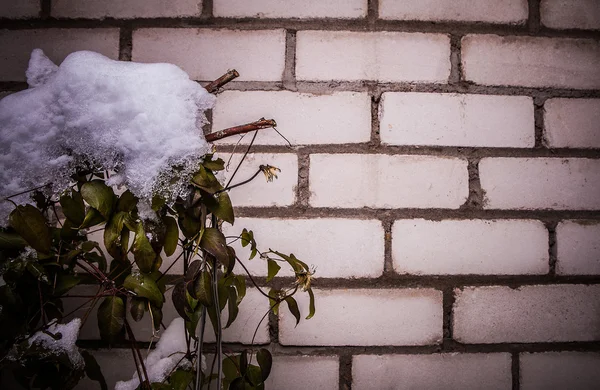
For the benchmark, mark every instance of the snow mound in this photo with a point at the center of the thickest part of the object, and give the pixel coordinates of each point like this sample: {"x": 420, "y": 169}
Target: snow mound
{"x": 163, "y": 359}
{"x": 66, "y": 343}
{"x": 141, "y": 120}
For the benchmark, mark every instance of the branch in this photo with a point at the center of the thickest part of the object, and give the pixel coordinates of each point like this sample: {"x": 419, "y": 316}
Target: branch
{"x": 242, "y": 129}
{"x": 218, "y": 83}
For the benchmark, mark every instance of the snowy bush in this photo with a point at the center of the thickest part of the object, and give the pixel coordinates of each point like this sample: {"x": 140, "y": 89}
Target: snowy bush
{"x": 118, "y": 146}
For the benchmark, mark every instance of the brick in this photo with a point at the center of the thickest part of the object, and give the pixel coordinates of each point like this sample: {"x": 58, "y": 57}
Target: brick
{"x": 290, "y": 373}
{"x": 128, "y": 9}
{"x": 337, "y": 118}
{"x": 19, "y": 9}
{"x": 207, "y": 54}
{"x": 116, "y": 364}
{"x": 559, "y": 370}
{"x": 259, "y": 193}
{"x": 531, "y": 61}
{"x": 573, "y": 14}
{"x": 436, "y": 371}
{"x": 303, "y": 9}
{"x": 338, "y": 248}
{"x": 572, "y": 123}
{"x": 379, "y": 56}
{"x": 487, "y": 11}
{"x": 464, "y": 247}
{"x": 355, "y": 317}
{"x": 381, "y": 181}
{"x": 16, "y": 46}
{"x": 444, "y": 119}
{"x": 529, "y": 314}
{"x": 540, "y": 183}
{"x": 578, "y": 248}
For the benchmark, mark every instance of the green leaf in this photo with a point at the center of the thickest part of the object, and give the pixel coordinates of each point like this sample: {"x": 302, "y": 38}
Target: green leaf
{"x": 179, "y": 300}
{"x": 273, "y": 269}
{"x": 232, "y": 306}
{"x": 248, "y": 239}
{"x": 92, "y": 369}
{"x": 265, "y": 361}
{"x": 65, "y": 282}
{"x": 73, "y": 207}
{"x": 193, "y": 270}
{"x": 11, "y": 241}
{"x": 158, "y": 202}
{"x": 311, "y": 305}
{"x": 31, "y": 225}
{"x": 171, "y": 235}
{"x": 112, "y": 235}
{"x": 213, "y": 241}
{"x": 92, "y": 218}
{"x": 144, "y": 287}
{"x": 143, "y": 253}
{"x": 220, "y": 205}
{"x": 293, "y": 307}
{"x": 138, "y": 308}
{"x": 213, "y": 165}
{"x": 203, "y": 289}
{"x": 296, "y": 264}
{"x": 240, "y": 285}
{"x": 127, "y": 202}
{"x": 180, "y": 379}
{"x": 99, "y": 196}
{"x": 157, "y": 316}
{"x": 189, "y": 225}
{"x": 111, "y": 318}
{"x": 206, "y": 180}
{"x": 244, "y": 362}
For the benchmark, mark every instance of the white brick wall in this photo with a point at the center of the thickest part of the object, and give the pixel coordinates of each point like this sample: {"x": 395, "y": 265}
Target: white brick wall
{"x": 529, "y": 314}
{"x": 432, "y": 372}
{"x": 559, "y": 370}
{"x": 366, "y": 317}
{"x": 338, "y": 248}
{"x": 489, "y": 11}
{"x": 381, "y": 181}
{"x": 540, "y": 183}
{"x": 573, "y": 14}
{"x": 127, "y": 9}
{"x": 336, "y": 118}
{"x": 303, "y": 9}
{"x": 17, "y": 9}
{"x": 381, "y": 56}
{"x": 497, "y": 247}
{"x": 578, "y": 248}
{"x": 258, "y": 55}
{"x": 572, "y": 123}
{"x": 456, "y": 120}
{"x": 16, "y": 46}
{"x": 304, "y": 372}
{"x": 523, "y": 61}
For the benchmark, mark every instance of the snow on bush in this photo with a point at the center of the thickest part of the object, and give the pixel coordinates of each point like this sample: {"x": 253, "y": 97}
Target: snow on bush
{"x": 65, "y": 336}
{"x": 142, "y": 121}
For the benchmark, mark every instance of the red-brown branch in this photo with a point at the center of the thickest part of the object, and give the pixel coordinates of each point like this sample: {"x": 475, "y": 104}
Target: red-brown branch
{"x": 242, "y": 129}
{"x": 218, "y": 83}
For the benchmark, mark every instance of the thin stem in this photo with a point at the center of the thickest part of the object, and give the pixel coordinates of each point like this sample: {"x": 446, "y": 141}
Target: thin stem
{"x": 146, "y": 383}
{"x": 199, "y": 348}
{"x": 218, "y": 315}
{"x": 26, "y": 191}
{"x": 243, "y": 158}
{"x": 242, "y": 129}
{"x": 240, "y": 183}
{"x": 218, "y": 83}
{"x": 251, "y": 278}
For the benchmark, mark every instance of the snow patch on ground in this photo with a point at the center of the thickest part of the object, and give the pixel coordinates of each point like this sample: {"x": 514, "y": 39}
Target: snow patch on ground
{"x": 143, "y": 121}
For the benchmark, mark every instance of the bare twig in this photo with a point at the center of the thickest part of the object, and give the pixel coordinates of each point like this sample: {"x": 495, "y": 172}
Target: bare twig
{"x": 26, "y": 191}
{"x": 242, "y": 129}
{"x": 218, "y": 83}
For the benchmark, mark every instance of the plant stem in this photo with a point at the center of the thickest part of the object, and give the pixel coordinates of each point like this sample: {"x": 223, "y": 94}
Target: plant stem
{"x": 218, "y": 83}
{"x": 26, "y": 191}
{"x": 243, "y": 158}
{"x": 242, "y": 129}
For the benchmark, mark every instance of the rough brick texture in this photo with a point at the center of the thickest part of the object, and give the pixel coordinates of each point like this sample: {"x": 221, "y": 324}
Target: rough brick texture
{"x": 381, "y": 56}
{"x": 505, "y": 247}
{"x": 17, "y": 9}
{"x": 336, "y": 247}
{"x": 489, "y": 11}
{"x": 524, "y": 61}
{"x": 127, "y": 9}
{"x": 573, "y": 14}
{"x": 559, "y": 370}
{"x": 291, "y": 372}
{"x": 16, "y": 46}
{"x": 552, "y": 313}
{"x": 380, "y": 181}
{"x": 572, "y": 123}
{"x": 355, "y": 317}
{"x": 303, "y": 9}
{"x": 456, "y": 120}
{"x": 435, "y": 372}
{"x": 337, "y": 118}
{"x": 190, "y": 49}
{"x": 578, "y": 248}
{"x": 540, "y": 183}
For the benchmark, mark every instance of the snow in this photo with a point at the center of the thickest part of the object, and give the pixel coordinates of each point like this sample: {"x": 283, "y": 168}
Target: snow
{"x": 66, "y": 343}
{"x": 164, "y": 358}
{"x": 143, "y": 121}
